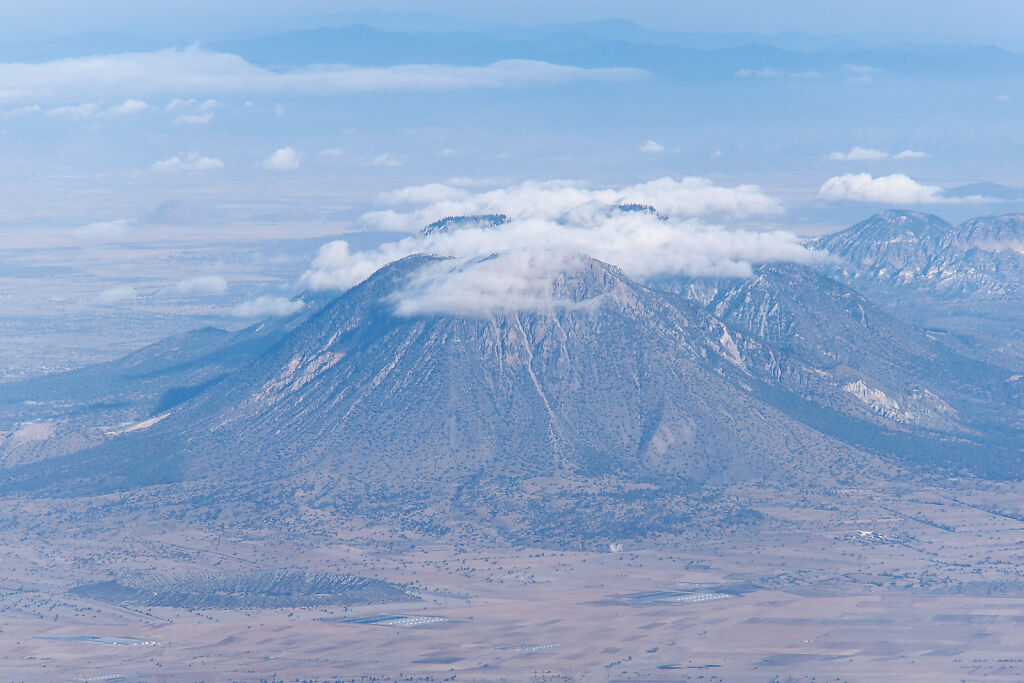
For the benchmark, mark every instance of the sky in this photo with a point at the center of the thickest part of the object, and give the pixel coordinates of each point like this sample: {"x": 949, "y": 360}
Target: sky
{"x": 169, "y": 166}
{"x": 984, "y": 21}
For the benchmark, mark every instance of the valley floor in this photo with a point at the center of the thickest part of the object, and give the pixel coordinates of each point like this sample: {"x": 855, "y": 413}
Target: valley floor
{"x": 915, "y": 585}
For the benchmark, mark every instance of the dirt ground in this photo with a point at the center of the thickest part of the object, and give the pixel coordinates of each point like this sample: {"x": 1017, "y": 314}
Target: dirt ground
{"x": 923, "y": 586}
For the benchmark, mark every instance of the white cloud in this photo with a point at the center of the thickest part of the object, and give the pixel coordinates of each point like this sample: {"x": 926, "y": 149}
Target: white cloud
{"x": 284, "y": 159}
{"x": 555, "y": 199}
{"x": 197, "y": 112}
{"x": 910, "y": 154}
{"x": 21, "y": 111}
{"x": 651, "y": 147}
{"x": 870, "y": 154}
{"x": 195, "y": 72}
{"x": 1002, "y": 98}
{"x": 775, "y": 73}
{"x": 424, "y": 194}
{"x": 860, "y": 69}
{"x": 104, "y": 231}
{"x": 268, "y": 307}
{"x": 127, "y": 108}
{"x": 116, "y": 295}
{"x": 191, "y": 104}
{"x": 891, "y": 189}
{"x": 198, "y": 119}
{"x": 337, "y": 267}
{"x": 468, "y": 181}
{"x": 514, "y": 265}
{"x": 505, "y": 283}
{"x": 860, "y": 73}
{"x": 859, "y": 154}
{"x": 76, "y": 111}
{"x": 92, "y": 110}
{"x": 192, "y": 162}
{"x": 203, "y": 284}
{"x": 386, "y": 160}
{"x": 333, "y": 152}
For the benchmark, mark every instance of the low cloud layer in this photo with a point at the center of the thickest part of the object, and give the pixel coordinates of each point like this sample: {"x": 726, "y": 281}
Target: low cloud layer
{"x": 268, "y": 307}
{"x": 192, "y": 161}
{"x": 769, "y": 72}
{"x": 196, "y": 73}
{"x": 895, "y": 189}
{"x": 510, "y": 264}
{"x": 88, "y": 110}
{"x": 870, "y": 154}
{"x": 202, "y": 284}
{"x": 562, "y": 199}
{"x": 861, "y": 73}
{"x": 116, "y": 295}
{"x": 104, "y": 231}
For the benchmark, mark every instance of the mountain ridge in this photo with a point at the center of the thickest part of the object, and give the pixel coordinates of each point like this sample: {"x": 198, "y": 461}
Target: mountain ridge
{"x": 674, "y": 388}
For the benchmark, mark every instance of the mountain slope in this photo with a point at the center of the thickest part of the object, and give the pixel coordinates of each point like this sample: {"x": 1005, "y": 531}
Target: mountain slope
{"x": 49, "y": 415}
{"x": 619, "y": 405}
{"x": 967, "y": 281}
{"x": 834, "y": 346}
{"x": 618, "y": 382}
{"x": 616, "y": 388}
{"x": 892, "y": 247}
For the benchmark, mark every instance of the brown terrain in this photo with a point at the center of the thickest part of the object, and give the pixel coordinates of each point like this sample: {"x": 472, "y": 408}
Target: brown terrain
{"x": 925, "y": 581}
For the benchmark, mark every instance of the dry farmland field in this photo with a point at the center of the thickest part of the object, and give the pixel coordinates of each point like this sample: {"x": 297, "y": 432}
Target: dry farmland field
{"x": 928, "y": 583}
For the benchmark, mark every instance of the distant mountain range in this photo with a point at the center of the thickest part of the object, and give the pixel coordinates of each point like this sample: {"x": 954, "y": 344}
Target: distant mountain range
{"x": 685, "y": 56}
{"x": 423, "y": 31}
{"x": 982, "y": 259}
{"x": 966, "y": 280}
{"x": 611, "y": 414}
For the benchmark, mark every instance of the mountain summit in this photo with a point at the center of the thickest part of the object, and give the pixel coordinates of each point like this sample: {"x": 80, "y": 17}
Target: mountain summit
{"x": 967, "y": 279}
{"x": 613, "y": 399}
{"x": 615, "y": 387}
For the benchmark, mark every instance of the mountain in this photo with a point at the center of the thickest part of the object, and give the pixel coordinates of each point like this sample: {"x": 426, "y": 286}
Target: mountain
{"x": 676, "y": 56}
{"x": 993, "y": 190}
{"x": 966, "y": 280}
{"x": 612, "y": 405}
{"x": 892, "y": 248}
{"x": 979, "y": 260}
{"x": 629, "y": 384}
{"x": 50, "y": 415}
{"x": 451, "y": 223}
{"x": 838, "y": 346}
{"x": 619, "y": 408}
{"x": 984, "y": 257}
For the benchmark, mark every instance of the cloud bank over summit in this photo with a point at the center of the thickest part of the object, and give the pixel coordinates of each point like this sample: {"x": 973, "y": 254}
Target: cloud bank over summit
{"x": 557, "y": 199}
{"x": 528, "y": 234}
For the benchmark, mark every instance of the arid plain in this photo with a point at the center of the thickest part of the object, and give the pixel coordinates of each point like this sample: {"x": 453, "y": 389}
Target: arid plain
{"x": 926, "y": 581}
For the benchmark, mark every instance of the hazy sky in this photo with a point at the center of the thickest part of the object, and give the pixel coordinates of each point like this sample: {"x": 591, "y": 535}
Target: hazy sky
{"x": 980, "y": 21}
{"x": 165, "y": 165}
